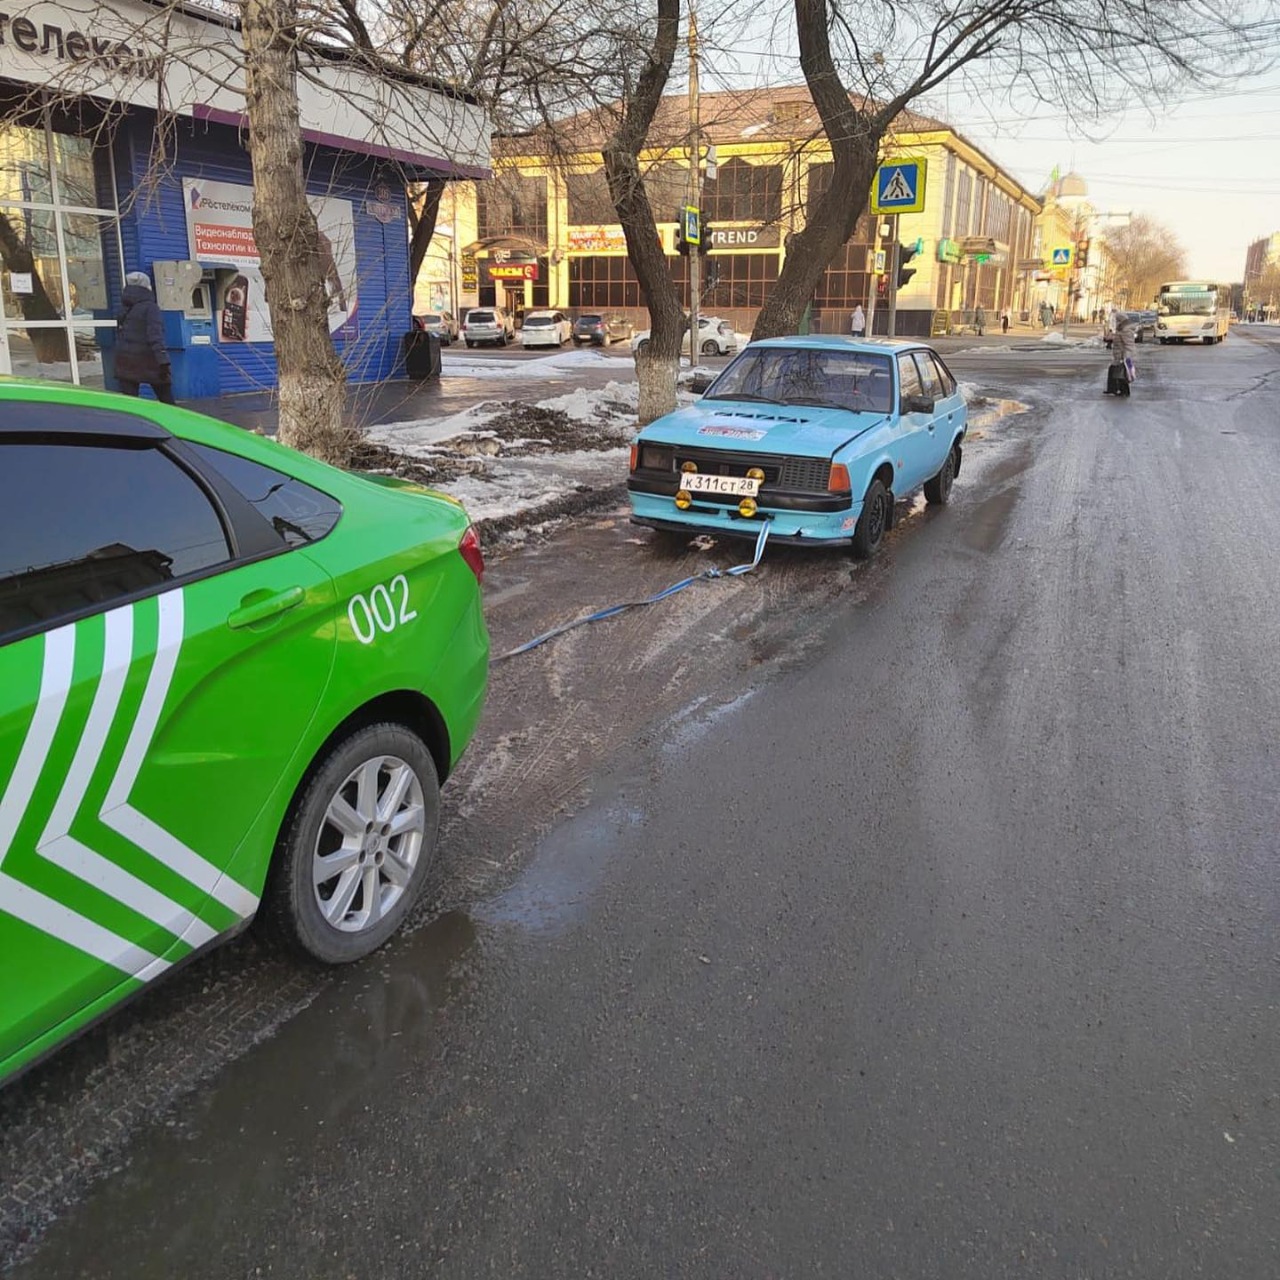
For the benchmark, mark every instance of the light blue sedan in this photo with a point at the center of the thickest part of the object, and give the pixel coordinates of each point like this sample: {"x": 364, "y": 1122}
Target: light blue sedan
{"x": 818, "y": 435}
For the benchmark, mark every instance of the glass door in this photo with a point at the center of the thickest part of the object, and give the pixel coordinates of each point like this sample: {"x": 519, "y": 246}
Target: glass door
{"x": 59, "y": 249}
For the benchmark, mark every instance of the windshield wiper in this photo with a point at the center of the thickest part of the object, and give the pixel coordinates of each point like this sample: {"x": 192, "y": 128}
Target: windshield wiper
{"x": 746, "y": 395}
{"x": 813, "y": 400}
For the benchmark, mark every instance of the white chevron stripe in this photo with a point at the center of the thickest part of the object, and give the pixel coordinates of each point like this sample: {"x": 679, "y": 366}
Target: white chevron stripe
{"x": 18, "y": 899}
{"x": 60, "y": 847}
{"x": 122, "y": 817}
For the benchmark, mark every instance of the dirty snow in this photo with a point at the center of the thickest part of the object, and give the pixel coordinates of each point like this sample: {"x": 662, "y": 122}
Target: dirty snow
{"x": 552, "y": 367}
{"x": 525, "y": 484}
{"x": 615, "y": 400}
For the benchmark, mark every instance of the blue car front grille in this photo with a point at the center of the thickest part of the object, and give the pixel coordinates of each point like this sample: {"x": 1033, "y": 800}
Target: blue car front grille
{"x": 797, "y": 475}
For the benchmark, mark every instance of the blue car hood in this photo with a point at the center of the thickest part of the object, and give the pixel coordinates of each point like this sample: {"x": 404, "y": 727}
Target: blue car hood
{"x": 746, "y": 427}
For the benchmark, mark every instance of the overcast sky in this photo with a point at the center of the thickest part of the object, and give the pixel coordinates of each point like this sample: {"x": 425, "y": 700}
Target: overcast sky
{"x": 1207, "y": 166}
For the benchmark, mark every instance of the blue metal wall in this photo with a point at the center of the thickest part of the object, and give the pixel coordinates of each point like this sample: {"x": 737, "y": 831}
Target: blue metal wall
{"x": 154, "y": 228}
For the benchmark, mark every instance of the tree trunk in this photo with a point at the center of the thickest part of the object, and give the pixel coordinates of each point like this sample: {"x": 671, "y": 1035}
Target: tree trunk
{"x": 658, "y": 362}
{"x": 854, "y": 136}
{"x": 312, "y": 378}
{"x": 423, "y": 226}
{"x": 656, "y": 366}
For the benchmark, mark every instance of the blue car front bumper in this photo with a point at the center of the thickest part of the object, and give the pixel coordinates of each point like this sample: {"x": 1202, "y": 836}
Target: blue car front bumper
{"x": 811, "y": 528}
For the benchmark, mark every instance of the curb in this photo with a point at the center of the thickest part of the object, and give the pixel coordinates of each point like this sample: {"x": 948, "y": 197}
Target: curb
{"x": 572, "y": 504}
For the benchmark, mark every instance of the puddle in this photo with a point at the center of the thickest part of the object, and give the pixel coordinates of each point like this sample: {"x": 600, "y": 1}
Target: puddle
{"x": 230, "y": 1155}
{"x": 553, "y": 890}
{"x": 986, "y": 410}
{"x": 687, "y": 726}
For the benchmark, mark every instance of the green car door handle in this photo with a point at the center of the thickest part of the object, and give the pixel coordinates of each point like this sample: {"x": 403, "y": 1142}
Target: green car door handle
{"x": 259, "y": 606}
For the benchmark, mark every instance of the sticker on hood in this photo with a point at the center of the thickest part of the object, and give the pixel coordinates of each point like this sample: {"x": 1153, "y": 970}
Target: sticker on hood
{"x": 732, "y": 433}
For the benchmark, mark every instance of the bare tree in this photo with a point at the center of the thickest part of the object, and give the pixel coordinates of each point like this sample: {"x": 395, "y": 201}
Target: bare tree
{"x": 657, "y": 362}
{"x": 868, "y": 61}
{"x": 313, "y": 381}
{"x": 1143, "y": 254}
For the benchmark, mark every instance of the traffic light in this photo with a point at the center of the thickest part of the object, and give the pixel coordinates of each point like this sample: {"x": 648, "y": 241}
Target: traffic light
{"x": 1082, "y": 253}
{"x": 704, "y": 244}
{"x": 905, "y": 253}
{"x": 682, "y": 245}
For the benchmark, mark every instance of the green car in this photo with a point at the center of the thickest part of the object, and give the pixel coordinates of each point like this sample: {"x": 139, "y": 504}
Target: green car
{"x": 232, "y": 679}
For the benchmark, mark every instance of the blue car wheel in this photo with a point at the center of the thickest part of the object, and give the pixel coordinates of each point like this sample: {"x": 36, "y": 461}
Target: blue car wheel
{"x": 873, "y": 522}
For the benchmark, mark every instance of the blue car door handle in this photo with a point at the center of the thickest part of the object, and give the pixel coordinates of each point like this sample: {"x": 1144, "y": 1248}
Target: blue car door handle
{"x": 262, "y": 605}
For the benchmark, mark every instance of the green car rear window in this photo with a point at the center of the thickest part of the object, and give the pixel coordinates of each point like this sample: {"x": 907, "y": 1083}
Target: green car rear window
{"x": 298, "y": 513}
{"x": 83, "y": 525}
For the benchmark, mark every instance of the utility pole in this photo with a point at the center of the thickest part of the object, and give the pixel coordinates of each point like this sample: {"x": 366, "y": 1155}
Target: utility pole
{"x": 695, "y": 187}
{"x": 871, "y": 276}
{"x": 891, "y": 267}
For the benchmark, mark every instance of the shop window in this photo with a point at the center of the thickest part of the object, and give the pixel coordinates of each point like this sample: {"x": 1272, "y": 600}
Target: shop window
{"x": 819, "y": 183}
{"x": 511, "y": 204}
{"x": 743, "y": 192}
{"x": 667, "y": 186}
{"x": 964, "y": 201}
{"x": 742, "y": 280}
{"x": 541, "y": 291}
{"x": 603, "y": 283}
{"x": 59, "y": 248}
{"x": 24, "y": 165}
{"x": 846, "y": 282}
{"x": 589, "y": 203}
{"x": 31, "y": 290}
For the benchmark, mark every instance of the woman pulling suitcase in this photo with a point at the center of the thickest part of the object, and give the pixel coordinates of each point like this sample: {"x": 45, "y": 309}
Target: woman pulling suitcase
{"x": 1120, "y": 374}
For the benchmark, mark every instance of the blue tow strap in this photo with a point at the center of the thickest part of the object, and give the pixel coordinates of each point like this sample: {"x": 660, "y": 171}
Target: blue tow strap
{"x": 614, "y": 609}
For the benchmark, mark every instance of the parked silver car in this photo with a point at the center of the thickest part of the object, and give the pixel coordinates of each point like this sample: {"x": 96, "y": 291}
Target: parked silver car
{"x": 488, "y": 324}
{"x": 441, "y": 323}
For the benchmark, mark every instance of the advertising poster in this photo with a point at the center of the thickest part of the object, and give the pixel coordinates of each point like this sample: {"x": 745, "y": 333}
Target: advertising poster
{"x": 220, "y": 234}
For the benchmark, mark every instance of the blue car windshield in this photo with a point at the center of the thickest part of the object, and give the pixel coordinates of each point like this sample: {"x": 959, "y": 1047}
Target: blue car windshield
{"x": 852, "y": 380}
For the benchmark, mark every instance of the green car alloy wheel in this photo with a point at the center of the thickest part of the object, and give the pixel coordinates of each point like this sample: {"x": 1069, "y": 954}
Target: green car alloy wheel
{"x": 229, "y": 675}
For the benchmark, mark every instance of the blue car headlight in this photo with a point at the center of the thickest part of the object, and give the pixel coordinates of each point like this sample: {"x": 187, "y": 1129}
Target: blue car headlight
{"x": 657, "y": 457}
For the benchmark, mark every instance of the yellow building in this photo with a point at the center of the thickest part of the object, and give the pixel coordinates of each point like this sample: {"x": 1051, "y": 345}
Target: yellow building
{"x": 1067, "y": 222}
{"x": 549, "y": 217}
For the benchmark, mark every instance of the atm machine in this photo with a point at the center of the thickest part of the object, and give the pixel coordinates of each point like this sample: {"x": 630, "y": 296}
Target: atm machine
{"x": 186, "y": 301}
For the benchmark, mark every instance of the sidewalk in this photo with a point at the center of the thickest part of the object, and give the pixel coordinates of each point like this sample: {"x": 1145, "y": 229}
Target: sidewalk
{"x": 378, "y": 403}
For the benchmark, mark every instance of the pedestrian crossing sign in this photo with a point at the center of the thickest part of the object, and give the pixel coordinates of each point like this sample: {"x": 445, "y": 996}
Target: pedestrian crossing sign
{"x": 899, "y": 186}
{"x": 1062, "y": 256}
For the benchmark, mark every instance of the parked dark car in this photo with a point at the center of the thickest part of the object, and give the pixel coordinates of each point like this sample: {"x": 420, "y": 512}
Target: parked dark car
{"x": 600, "y": 330}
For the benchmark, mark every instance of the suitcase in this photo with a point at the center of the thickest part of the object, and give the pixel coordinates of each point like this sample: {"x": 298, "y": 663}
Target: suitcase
{"x": 1117, "y": 380}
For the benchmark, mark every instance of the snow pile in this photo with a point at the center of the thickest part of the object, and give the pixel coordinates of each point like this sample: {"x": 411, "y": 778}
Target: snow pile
{"x": 529, "y": 370}
{"x": 506, "y": 459}
{"x": 580, "y": 358}
{"x": 539, "y": 483}
{"x": 614, "y": 402}
{"x": 423, "y": 435}
{"x": 1054, "y": 338}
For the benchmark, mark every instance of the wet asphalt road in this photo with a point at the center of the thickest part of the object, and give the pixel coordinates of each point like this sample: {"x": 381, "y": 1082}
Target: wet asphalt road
{"x": 952, "y": 951}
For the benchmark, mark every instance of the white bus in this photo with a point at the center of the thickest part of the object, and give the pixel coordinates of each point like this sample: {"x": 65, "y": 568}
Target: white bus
{"x": 1187, "y": 310}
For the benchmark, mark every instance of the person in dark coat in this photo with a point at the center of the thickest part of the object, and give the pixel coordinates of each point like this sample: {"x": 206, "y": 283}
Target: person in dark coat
{"x": 1122, "y": 349}
{"x": 141, "y": 355}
